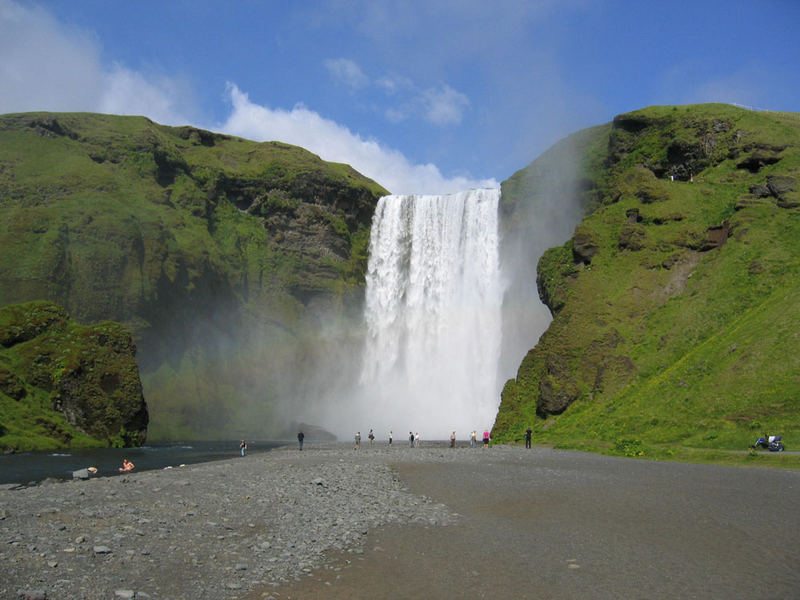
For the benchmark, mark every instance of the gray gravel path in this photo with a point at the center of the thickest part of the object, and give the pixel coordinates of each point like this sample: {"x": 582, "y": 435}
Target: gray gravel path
{"x": 408, "y": 523}
{"x": 213, "y": 530}
{"x": 551, "y": 524}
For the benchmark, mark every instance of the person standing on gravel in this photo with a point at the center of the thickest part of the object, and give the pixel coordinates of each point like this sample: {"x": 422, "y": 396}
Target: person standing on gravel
{"x": 416, "y": 440}
{"x": 371, "y": 437}
{"x": 358, "y": 441}
{"x": 300, "y": 437}
{"x": 473, "y": 439}
{"x": 243, "y": 447}
{"x": 528, "y": 435}
{"x": 390, "y": 438}
{"x": 453, "y": 440}
{"x": 486, "y": 438}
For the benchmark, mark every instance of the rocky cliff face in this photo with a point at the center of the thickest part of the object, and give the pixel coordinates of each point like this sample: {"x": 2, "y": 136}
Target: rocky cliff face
{"x": 221, "y": 254}
{"x": 64, "y": 384}
{"x": 669, "y": 301}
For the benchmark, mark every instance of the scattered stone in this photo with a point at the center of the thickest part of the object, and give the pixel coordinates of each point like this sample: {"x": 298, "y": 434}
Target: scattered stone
{"x": 326, "y": 505}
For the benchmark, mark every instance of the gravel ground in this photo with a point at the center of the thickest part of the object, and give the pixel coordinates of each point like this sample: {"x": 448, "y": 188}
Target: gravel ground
{"x": 550, "y": 524}
{"x": 213, "y": 530}
{"x": 408, "y": 523}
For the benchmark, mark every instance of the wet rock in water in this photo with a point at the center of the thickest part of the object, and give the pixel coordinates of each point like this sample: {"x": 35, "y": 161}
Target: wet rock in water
{"x": 81, "y": 474}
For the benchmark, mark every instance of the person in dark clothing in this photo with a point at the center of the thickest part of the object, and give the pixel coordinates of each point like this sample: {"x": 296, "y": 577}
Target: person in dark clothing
{"x": 528, "y": 434}
{"x": 300, "y": 437}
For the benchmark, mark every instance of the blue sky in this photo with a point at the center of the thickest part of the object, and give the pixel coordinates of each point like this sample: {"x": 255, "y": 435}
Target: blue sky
{"x": 422, "y": 96}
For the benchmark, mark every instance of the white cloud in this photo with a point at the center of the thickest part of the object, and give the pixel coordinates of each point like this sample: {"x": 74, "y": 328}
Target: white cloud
{"x": 347, "y": 72}
{"x": 332, "y": 141}
{"x": 444, "y": 105}
{"x": 394, "y": 84}
{"x": 48, "y": 66}
{"x": 440, "y": 105}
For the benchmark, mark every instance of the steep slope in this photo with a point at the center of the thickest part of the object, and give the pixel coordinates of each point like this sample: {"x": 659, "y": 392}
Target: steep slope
{"x": 219, "y": 253}
{"x": 66, "y": 385}
{"x": 675, "y": 303}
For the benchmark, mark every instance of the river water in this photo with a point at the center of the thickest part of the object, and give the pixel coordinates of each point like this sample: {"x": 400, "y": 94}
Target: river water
{"x": 28, "y": 467}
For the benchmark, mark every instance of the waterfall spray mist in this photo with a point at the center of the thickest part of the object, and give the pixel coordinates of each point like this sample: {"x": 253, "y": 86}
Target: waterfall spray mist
{"x": 433, "y": 314}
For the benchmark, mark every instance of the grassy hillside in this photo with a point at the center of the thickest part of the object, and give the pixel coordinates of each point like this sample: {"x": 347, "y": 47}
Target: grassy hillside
{"x": 675, "y": 303}
{"x": 220, "y": 254}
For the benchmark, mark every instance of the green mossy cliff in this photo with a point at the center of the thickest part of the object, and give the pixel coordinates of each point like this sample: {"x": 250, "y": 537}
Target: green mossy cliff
{"x": 222, "y": 255}
{"x": 676, "y": 303}
{"x": 67, "y": 385}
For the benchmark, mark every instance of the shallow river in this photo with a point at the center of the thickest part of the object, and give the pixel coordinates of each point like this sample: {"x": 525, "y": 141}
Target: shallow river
{"x": 29, "y": 467}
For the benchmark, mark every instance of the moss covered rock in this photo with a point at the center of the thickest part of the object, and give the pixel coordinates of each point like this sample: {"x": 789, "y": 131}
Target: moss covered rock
{"x": 64, "y": 384}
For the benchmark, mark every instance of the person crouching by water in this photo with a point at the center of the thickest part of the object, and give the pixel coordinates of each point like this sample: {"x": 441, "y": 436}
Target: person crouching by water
{"x": 300, "y": 437}
{"x": 243, "y": 447}
{"x": 126, "y": 466}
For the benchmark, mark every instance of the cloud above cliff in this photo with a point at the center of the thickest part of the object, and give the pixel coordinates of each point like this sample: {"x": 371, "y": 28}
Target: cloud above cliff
{"x": 440, "y": 105}
{"x": 49, "y": 66}
{"x": 347, "y": 72}
{"x": 331, "y": 141}
{"x": 442, "y": 94}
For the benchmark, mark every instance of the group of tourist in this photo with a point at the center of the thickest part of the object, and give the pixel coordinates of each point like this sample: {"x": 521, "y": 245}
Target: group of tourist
{"x": 414, "y": 440}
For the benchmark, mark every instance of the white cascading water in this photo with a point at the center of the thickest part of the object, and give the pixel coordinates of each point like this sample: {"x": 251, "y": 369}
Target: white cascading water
{"x": 433, "y": 315}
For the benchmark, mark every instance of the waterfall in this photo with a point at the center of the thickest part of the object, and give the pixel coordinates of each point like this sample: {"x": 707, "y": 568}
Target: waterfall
{"x": 433, "y": 315}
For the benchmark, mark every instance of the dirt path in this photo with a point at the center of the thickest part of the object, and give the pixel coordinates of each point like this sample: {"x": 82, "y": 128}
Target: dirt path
{"x": 549, "y": 524}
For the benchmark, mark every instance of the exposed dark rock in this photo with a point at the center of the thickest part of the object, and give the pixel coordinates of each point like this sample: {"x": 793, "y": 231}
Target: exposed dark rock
{"x": 584, "y": 245}
{"x": 557, "y": 388}
{"x": 631, "y": 237}
{"x": 11, "y": 385}
{"x": 758, "y": 159}
{"x": 778, "y": 185}
{"x": 717, "y": 236}
{"x": 631, "y": 122}
{"x": 760, "y": 190}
